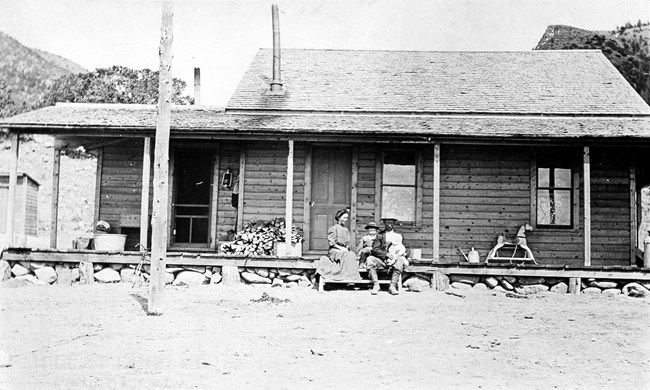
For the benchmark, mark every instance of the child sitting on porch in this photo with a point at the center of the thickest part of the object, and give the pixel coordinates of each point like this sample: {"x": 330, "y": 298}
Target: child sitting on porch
{"x": 395, "y": 247}
{"x": 365, "y": 244}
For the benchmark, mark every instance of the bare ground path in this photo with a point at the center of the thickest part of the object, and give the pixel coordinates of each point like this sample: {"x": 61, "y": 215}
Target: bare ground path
{"x": 217, "y": 337}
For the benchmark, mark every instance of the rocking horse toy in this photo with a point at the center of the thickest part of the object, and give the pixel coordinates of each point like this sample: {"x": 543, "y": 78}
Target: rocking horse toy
{"x": 518, "y": 242}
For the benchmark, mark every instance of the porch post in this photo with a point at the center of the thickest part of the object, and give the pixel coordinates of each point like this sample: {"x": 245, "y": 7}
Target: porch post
{"x": 13, "y": 181}
{"x": 634, "y": 232}
{"x": 436, "y": 202}
{"x": 354, "y": 194}
{"x": 144, "y": 202}
{"x": 56, "y": 170}
{"x": 160, "y": 216}
{"x": 587, "y": 206}
{"x": 288, "y": 217}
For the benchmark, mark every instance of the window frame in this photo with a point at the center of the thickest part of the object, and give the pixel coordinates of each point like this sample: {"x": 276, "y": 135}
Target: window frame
{"x": 542, "y": 161}
{"x": 418, "y": 185}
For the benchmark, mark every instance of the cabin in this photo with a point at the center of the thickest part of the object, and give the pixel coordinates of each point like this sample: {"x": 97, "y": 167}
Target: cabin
{"x": 459, "y": 147}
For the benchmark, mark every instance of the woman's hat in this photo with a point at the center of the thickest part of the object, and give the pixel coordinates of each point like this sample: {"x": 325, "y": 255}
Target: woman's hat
{"x": 372, "y": 225}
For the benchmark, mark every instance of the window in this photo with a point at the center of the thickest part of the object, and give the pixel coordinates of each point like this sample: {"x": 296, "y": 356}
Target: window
{"x": 398, "y": 189}
{"x": 554, "y": 196}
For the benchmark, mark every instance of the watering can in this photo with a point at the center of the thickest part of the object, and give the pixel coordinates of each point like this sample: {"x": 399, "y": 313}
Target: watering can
{"x": 473, "y": 256}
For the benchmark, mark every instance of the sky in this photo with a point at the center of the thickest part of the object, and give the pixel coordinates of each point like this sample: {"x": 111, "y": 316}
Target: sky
{"x": 222, "y": 37}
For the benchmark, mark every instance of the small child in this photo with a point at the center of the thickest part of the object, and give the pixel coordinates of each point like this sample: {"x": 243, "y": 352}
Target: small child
{"x": 365, "y": 244}
{"x": 395, "y": 247}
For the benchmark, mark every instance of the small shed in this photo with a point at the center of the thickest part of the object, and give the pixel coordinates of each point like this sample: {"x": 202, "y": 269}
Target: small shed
{"x": 25, "y": 206}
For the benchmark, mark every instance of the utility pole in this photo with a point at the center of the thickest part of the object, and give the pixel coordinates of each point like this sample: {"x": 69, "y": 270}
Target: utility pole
{"x": 159, "y": 218}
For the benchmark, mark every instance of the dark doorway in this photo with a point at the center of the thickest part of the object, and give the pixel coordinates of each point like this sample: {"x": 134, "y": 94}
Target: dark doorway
{"x": 192, "y": 193}
{"x": 330, "y": 191}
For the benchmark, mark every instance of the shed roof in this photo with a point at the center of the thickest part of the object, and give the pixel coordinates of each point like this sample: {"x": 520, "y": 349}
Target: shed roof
{"x": 563, "y": 82}
{"x": 124, "y": 119}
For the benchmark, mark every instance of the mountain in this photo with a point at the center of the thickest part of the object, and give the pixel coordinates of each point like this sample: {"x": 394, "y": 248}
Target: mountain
{"x": 25, "y": 73}
{"x": 627, "y": 48}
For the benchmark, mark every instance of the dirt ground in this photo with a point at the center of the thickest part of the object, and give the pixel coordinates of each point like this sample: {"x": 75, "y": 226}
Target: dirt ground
{"x": 220, "y": 337}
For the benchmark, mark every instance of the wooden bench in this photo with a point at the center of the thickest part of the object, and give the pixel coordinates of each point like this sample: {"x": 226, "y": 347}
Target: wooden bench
{"x": 322, "y": 281}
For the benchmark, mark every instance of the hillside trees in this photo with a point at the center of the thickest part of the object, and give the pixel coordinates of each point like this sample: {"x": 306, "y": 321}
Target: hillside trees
{"x": 117, "y": 84}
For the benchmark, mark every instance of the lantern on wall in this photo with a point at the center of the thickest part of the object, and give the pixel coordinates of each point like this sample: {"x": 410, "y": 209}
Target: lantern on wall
{"x": 226, "y": 179}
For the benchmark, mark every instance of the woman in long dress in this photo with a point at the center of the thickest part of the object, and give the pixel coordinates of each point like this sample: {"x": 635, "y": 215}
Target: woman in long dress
{"x": 340, "y": 262}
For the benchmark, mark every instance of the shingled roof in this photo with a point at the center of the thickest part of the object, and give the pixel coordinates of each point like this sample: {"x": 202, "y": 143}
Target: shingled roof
{"x": 546, "y": 82}
{"x": 131, "y": 119}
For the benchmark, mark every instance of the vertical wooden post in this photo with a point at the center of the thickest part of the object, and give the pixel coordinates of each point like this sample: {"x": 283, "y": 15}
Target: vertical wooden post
{"x": 419, "y": 183}
{"x": 574, "y": 285}
{"x": 379, "y": 177}
{"x": 161, "y": 165}
{"x": 197, "y": 86}
{"x": 587, "y": 199}
{"x": 144, "y": 201}
{"x": 436, "y": 202}
{"x": 634, "y": 233}
{"x": 288, "y": 216}
{"x": 242, "y": 176}
{"x": 98, "y": 183}
{"x": 354, "y": 195}
{"x": 215, "y": 197}
{"x": 13, "y": 181}
{"x": 307, "y": 197}
{"x": 56, "y": 171}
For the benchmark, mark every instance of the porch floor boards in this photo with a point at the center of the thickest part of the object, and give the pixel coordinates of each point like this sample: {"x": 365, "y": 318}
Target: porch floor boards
{"x": 310, "y": 262}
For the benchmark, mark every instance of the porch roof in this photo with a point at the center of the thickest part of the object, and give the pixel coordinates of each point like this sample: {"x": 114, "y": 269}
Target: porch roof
{"x": 548, "y": 82}
{"x": 139, "y": 120}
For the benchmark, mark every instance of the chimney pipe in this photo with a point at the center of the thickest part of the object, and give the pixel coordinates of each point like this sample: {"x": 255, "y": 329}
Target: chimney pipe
{"x": 276, "y": 83}
{"x": 197, "y": 86}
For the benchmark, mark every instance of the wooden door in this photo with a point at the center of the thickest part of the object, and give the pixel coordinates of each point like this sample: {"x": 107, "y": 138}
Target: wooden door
{"x": 331, "y": 169}
{"x": 192, "y": 197}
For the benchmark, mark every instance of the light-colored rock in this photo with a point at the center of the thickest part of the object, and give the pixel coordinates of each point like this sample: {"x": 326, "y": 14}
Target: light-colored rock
{"x": 195, "y": 268}
{"x": 127, "y": 275}
{"x": 611, "y": 291}
{"x": 26, "y": 264}
{"x": 107, "y": 275}
{"x": 116, "y": 266}
{"x": 461, "y": 286}
{"x": 208, "y": 273}
{"x": 291, "y": 284}
{"x": 46, "y": 274}
{"x": 466, "y": 279}
{"x": 251, "y": 277}
{"x": 529, "y": 281}
{"x": 635, "y": 290}
{"x": 5, "y": 270}
{"x": 272, "y": 274}
{"x": 505, "y": 284}
{"x": 63, "y": 274}
{"x": 216, "y": 270}
{"x": 27, "y": 277}
{"x": 230, "y": 275}
{"x": 305, "y": 282}
{"x": 646, "y": 285}
{"x": 491, "y": 282}
{"x": 97, "y": 267}
{"x": 560, "y": 288}
{"x": 416, "y": 284}
{"x": 169, "y": 277}
{"x": 34, "y": 265}
{"x": 592, "y": 290}
{"x": 40, "y": 282}
{"x": 292, "y": 278}
{"x": 19, "y": 270}
{"x": 173, "y": 270}
{"x": 510, "y": 279}
{"x": 283, "y": 272}
{"x": 75, "y": 274}
{"x": 553, "y": 281}
{"x": 531, "y": 289}
{"x": 500, "y": 289}
{"x": 189, "y": 278}
{"x": 296, "y": 271}
{"x": 277, "y": 282}
{"x": 603, "y": 284}
{"x": 480, "y": 287}
{"x": 215, "y": 278}
{"x": 5, "y": 359}
{"x": 263, "y": 272}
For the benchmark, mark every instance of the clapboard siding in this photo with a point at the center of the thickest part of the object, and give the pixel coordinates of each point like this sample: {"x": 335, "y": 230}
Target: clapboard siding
{"x": 266, "y": 180}
{"x": 226, "y": 213}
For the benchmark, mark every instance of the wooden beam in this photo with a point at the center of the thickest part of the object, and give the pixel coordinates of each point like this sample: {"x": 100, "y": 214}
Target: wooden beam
{"x": 533, "y": 191}
{"x": 98, "y": 185}
{"x": 586, "y": 172}
{"x": 13, "y": 181}
{"x": 144, "y": 201}
{"x": 288, "y": 216}
{"x": 354, "y": 187}
{"x": 161, "y": 165}
{"x": 436, "y": 202}
{"x": 419, "y": 184}
{"x": 56, "y": 173}
{"x": 306, "y": 228}
{"x": 242, "y": 177}
{"x": 634, "y": 233}
{"x": 216, "y": 184}
{"x": 379, "y": 172}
